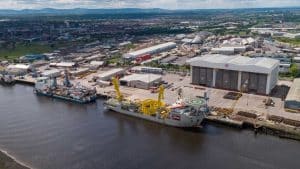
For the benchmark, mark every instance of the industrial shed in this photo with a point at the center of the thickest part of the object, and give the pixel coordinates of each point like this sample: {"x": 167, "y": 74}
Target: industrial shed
{"x": 255, "y": 75}
{"x": 79, "y": 71}
{"x": 229, "y": 50}
{"x": 106, "y": 76}
{"x": 142, "y": 81}
{"x": 144, "y": 69}
{"x": 18, "y": 69}
{"x": 51, "y": 73}
{"x": 63, "y": 64}
{"x": 292, "y": 100}
{"x": 151, "y": 50}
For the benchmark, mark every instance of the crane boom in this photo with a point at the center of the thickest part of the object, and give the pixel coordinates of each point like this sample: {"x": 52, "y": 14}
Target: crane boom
{"x": 115, "y": 82}
{"x": 160, "y": 95}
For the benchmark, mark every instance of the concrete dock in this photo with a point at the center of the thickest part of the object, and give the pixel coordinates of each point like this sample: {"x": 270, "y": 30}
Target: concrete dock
{"x": 248, "y": 102}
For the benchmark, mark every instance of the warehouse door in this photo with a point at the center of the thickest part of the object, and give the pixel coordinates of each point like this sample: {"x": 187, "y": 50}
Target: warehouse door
{"x": 203, "y": 76}
{"x": 226, "y": 79}
{"x": 253, "y": 82}
{"x": 245, "y": 82}
{"x": 195, "y": 75}
{"x": 262, "y": 83}
{"x": 234, "y": 75}
{"x": 209, "y": 77}
{"x": 219, "y": 78}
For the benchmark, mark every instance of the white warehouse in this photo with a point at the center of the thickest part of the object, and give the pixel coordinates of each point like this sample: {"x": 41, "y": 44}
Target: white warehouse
{"x": 106, "y": 76}
{"x": 255, "y": 75}
{"x": 142, "y": 81}
{"x": 151, "y": 50}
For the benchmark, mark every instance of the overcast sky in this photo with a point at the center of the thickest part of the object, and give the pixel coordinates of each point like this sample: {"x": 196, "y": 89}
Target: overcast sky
{"x": 166, "y": 4}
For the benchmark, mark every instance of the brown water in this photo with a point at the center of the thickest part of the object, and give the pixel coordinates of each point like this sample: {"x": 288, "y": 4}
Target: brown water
{"x": 53, "y": 134}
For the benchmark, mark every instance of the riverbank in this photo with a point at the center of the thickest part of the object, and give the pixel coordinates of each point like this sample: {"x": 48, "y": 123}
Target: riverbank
{"x": 9, "y": 162}
{"x": 269, "y": 125}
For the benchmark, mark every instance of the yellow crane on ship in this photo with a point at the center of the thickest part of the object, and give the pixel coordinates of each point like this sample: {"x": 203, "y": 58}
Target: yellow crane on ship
{"x": 119, "y": 95}
{"x": 148, "y": 106}
{"x": 151, "y": 106}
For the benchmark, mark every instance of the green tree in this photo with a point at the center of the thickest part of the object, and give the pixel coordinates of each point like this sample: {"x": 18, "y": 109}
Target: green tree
{"x": 294, "y": 70}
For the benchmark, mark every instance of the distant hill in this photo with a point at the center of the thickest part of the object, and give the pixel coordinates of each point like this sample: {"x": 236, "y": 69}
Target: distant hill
{"x": 85, "y": 11}
{"x": 80, "y": 11}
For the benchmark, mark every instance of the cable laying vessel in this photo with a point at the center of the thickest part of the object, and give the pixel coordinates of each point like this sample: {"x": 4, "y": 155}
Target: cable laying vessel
{"x": 185, "y": 113}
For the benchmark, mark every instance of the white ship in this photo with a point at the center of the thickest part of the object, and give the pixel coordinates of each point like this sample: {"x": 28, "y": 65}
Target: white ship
{"x": 183, "y": 113}
{"x": 75, "y": 93}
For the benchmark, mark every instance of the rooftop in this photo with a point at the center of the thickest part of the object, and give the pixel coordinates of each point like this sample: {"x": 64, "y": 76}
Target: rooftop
{"x": 140, "y": 68}
{"x": 236, "y": 62}
{"x": 19, "y": 66}
{"x": 63, "y": 64}
{"x": 110, "y": 72}
{"x": 294, "y": 92}
{"x": 147, "y": 78}
{"x": 297, "y": 58}
{"x": 152, "y": 48}
{"x": 51, "y": 72}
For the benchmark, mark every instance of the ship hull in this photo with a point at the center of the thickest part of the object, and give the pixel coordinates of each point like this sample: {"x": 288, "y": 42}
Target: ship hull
{"x": 181, "y": 122}
{"x": 92, "y": 99}
{"x": 8, "y": 83}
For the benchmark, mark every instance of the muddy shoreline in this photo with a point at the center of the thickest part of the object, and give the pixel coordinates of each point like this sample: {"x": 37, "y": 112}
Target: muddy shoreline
{"x": 9, "y": 162}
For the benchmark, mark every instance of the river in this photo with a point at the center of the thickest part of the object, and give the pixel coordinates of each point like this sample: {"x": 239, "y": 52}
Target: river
{"x": 45, "y": 133}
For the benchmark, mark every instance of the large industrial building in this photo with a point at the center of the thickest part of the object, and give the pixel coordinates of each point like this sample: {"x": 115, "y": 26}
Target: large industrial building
{"x": 292, "y": 100}
{"x": 106, "y": 76}
{"x": 151, "y": 50}
{"x": 144, "y": 69}
{"x": 230, "y": 50}
{"x": 18, "y": 69}
{"x": 257, "y": 75}
{"x": 142, "y": 81}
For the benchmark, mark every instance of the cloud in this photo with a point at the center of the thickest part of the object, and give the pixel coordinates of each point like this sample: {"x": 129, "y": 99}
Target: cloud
{"x": 167, "y": 4}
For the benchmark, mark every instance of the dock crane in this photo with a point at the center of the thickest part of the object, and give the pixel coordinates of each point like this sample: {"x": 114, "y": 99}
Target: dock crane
{"x": 119, "y": 95}
{"x": 161, "y": 96}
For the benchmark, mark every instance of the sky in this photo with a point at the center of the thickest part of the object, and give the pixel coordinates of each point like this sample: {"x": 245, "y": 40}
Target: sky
{"x": 165, "y": 4}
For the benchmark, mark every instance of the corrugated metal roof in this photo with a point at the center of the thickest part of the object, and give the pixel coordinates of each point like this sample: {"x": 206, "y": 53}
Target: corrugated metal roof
{"x": 51, "y": 72}
{"x": 150, "y": 49}
{"x": 111, "y": 72}
{"x": 19, "y": 66}
{"x": 147, "y": 78}
{"x": 97, "y": 63}
{"x": 296, "y": 58}
{"x": 237, "y": 62}
{"x": 140, "y": 68}
{"x": 63, "y": 64}
{"x": 294, "y": 92}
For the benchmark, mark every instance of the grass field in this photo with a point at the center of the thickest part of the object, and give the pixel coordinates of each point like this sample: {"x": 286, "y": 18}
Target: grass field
{"x": 22, "y": 49}
{"x": 294, "y": 42}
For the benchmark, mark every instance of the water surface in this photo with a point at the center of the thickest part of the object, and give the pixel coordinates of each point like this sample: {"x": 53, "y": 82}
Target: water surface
{"x": 52, "y": 134}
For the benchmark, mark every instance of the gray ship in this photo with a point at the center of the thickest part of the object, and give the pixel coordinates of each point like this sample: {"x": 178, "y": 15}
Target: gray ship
{"x": 184, "y": 113}
{"x": 75, "y": 93}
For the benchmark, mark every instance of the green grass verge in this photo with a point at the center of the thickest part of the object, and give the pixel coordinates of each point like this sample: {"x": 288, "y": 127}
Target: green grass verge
{"x": 23, "y": 49}
{"x": 294, "y": 42}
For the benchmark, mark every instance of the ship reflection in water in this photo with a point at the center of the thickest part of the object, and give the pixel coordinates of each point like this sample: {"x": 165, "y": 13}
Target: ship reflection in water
{"x": 50, "y": 134}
